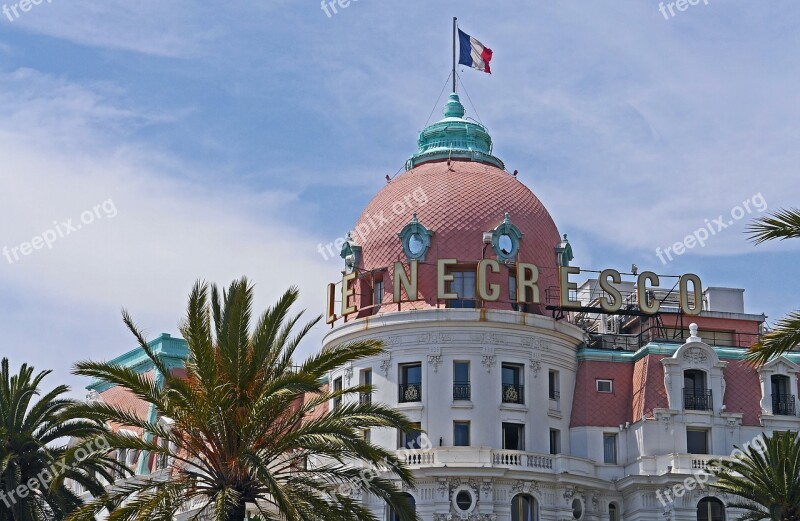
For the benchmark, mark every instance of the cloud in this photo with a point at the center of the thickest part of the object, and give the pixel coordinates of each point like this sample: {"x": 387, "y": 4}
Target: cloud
{"x": 64, "y": 153}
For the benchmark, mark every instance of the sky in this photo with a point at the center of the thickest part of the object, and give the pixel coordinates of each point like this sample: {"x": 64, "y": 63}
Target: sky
{"x": 150, "y": 144}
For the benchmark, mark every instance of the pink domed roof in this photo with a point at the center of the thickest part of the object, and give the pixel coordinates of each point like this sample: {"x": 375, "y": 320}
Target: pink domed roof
{"x": 458, "y": 203}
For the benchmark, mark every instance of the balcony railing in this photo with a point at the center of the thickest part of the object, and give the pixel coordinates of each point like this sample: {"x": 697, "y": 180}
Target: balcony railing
{"x": 462, "y": 391}
{"x": 513, "y": 394}
{"x": 364, "y": 398}
{"x": 410, "y": 393}
{"x": 555, "y": 395}
{"x": 783, "y": 404}
{"x": 698, "y": 399}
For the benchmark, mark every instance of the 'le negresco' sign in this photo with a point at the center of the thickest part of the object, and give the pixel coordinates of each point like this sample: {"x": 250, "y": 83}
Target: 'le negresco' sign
{"x": 527, "y": 277}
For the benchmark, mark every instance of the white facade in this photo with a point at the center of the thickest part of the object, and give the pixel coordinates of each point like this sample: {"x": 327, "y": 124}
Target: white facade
{"x": 651, "y": 454}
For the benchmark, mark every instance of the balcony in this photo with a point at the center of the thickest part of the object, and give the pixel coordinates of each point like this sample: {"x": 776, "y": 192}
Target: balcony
{"x": 698, "y": 400}
{"x": 365, "y": 398}
{"x": 513, "y": 394}
{"x": 462, "y": 391}
{"x": 783, "y": 405}
{"x": 410, "y": 393}
{"x": 486, "y": 457}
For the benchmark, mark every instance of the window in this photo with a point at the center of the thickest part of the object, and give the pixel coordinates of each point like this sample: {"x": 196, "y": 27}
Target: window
{"x": 513, "y": 390}
{"x": 461, "y": 433}
{"x": 162, "y": 459}
{"x": 377, "y": 295}
{"x": 410, "y": 383}
{"x": 513, "y": 436}
{"x": 524, "y": 508}
{"x": 613, "y": 513}
{"x": 697, "y": 441}
{"x": 409, "y": 500}
{"x": 577, "y": 509}
{"x": 710, "y": 509}
{"x": 411, "y": 439}
{"x": 366, "y": 379}
{"x": 695, "y": 395}
{"x": 337, "y": 387}
{"x": 604, "y": 386}
{"x": 553, "y": 385}
{"x": 555, "y": 441}
{"x": 368, "y": 435}
{"x": 610, "y": 449}
{"x": 461, "y": 386}
{"x": 782, "y": 399}
{"x": 464, "y": 500}
{"x": 463, "y": 285}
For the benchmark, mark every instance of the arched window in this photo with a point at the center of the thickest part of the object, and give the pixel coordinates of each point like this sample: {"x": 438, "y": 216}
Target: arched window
{"x": 613, "y": 513}
{"x": 524, "y": 508}
{"x": 696, "y": 395}
{"x": 710, "y": 509}
{"x": 411, "y": 503}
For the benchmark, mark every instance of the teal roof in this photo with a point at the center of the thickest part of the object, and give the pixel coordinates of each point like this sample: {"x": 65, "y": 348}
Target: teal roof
{"x": 663, "y": 348}
{"x": 454, "y": 137}
{"x": 172, "y": 351}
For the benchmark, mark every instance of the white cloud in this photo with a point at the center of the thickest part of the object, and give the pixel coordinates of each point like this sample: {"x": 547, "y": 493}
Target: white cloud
{"x": 62, "y": 156}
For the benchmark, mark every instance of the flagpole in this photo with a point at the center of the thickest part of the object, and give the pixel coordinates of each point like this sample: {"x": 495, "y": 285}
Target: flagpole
{"x": 455, "y": 38}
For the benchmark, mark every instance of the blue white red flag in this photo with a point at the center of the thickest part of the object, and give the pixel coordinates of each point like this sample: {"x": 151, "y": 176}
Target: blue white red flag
{"x": 473, "y": 53}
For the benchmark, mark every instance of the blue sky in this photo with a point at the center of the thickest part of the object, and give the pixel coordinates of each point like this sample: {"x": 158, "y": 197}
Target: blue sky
{"x": 233, "y": 138}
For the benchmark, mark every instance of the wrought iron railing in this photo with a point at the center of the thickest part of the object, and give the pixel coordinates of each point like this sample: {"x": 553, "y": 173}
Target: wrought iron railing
{"x": 462, "y": 391}
{"x": 698, "y": 399}
{"x": 513, "y": 394}
{"x": 365, "y": 398}
{"x": 783, "y": 404}
{"x": 410, "y": 393}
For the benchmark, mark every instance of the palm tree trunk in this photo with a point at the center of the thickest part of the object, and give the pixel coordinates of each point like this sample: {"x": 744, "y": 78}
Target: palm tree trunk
{"x": 238, "y": 512}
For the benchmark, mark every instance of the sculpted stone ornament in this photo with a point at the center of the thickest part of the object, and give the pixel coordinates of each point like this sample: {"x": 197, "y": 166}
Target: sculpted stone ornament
{"x": 695, "y": 356}
{"x": 488, "y": 362}
{"x": 435, "y": 361}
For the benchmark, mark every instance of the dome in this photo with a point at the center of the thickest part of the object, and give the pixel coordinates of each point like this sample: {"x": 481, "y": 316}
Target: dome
{"x": 458, "y": 203}
{"x": 456, "y": 189}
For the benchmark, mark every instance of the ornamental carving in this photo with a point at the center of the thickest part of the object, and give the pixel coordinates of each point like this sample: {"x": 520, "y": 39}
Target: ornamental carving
{"x": 348, "y": 372}
{"x": 488, "y": 362}
{"x": 386, "y": 363}
{"x": 695, "y": 356}
{"x": 487, "y": 488}
{"x": 442, "y": 517}
{"x": 435, "y": 361}
{"x": 443, "y": 487}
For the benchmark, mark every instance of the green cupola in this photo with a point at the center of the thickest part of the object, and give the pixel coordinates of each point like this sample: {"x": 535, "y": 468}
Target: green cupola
{"x": 454, "y": 137}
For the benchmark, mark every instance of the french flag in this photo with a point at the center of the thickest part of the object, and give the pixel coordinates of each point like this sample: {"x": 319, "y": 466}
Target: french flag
{"x": 473, "y": 53}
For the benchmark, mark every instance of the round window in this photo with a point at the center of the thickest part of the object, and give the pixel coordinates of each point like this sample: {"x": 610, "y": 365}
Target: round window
{"x": 415, "y": 244}
{"x": 577, "y": 508}
{"x": 506, "y": 244}
{"x": 464, "y": 500}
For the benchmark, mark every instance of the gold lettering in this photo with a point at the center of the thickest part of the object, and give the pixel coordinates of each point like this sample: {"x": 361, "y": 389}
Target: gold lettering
{"x": 443, "y": 278}
{"x": 483, "y": 294}
{"x": 613, "y": 304}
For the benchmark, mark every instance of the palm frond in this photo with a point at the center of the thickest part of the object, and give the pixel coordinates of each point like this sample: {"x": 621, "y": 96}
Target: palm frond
{"x": 781, "y": 224}
{"x": 784, "y": 337}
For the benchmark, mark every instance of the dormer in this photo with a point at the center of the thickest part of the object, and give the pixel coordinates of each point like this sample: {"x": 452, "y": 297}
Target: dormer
{"x": 693, "y": 376}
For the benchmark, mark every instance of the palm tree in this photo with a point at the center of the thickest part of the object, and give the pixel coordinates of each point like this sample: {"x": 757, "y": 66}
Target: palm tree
{"x": 29, "y": 436}
{"x": 246, "y": 426}
{"x": 767, "y": 478}
{"x": 781, "y": 225}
